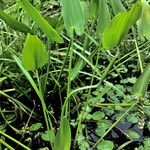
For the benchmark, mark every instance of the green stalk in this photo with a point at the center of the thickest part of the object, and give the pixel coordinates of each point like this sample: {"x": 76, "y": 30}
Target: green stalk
{"x": 137, "y": 49}
{"x": 6, "y": 145}
{"x": 132, "y": 55}
{"x": 102, "y": 78}
{"x": 46, "y": 115}
{"x": 106, "y": 71}
{"x": 88, "y": 87}
{"x": 119, "y": 119}
{"x": 117, "y": 104}
{"x": 47, "y": 72}
{"x": 38, "y": 91}
{"x": 38, "y": 80}
{"x": 69, "y": 72}
{"x": 89, "y": 91}
{"x": 14, "y": 140}
{"x": 131, "y": 52}
{"x": 62, "y": 68}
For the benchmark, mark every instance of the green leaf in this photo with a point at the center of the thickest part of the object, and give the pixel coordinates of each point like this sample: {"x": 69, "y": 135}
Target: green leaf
{"x": 144, "y": 22}
{"x": 50, "y": 32}
{"x": 84, "y": 6}
{"x": 93, "y": 8}
{"x": 73, "y": 17}
{"x": 101, "y": 128}
{"x": 14, "y": 24}
{"x": 132, "y": 117}
{"x": 117, "y": 6}
{"x": 98, "y": 115}
{"x": 34, "y": 53}
{"x": 104, "y": 17}
{"x": 63, "y": 137}
{"x": 10, "y": 117}
{"x": 48, "y": 136}
{"x": 146, "y": 143}
{"x": 105, "y": 145}
{"x": 140, "y": 87}
{"x": 35, "y": 126}
{"x": 75, "y": 71}
{"x": 148, "y": 125}
{"x": 2, "y": 79}
{"x": 2, "y": 128}
{"x": 133, "y": 134}
{"x": 120, "y": 25}
{"x": 1, "y": 4}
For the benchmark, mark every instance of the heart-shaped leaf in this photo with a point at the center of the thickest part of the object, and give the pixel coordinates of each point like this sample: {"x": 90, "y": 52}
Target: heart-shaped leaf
{"x": 120, "y": 25}
{"x": 73, "y": 17}
{"x": 34, "y": 53}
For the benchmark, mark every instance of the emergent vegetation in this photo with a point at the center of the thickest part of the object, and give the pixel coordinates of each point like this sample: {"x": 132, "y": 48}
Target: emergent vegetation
{"x": 74, "y": 74}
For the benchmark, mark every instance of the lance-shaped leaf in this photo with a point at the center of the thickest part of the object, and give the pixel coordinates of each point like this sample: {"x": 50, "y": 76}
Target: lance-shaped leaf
{"x": 63, "y": 137}
{"x": 34, "y": 53}
{"x": 48, "y": 30}
{"x": 104, "y": 17}
{"x": 73, "y": 17}
{"x": 140, "y": 87}
{"x": 120, "y": 25}
{"x": 13, "y": 23}
{"x": 144, "y": 22}
{"x": 117, "y": 6}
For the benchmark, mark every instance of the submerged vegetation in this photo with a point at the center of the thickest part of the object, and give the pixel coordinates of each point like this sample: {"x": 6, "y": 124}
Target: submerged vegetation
{"x": 74, "y": 74}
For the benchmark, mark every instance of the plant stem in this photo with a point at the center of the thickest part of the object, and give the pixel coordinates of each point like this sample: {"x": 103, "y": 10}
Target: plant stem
{"x": 47, "y": 72}
{"x": 14, "y": 140}
{"x": 119, "y": 119}
{"x": 7, "y": 145}
{"x": 63, "y": 66}
{"x": 69, "y": 73}
{"x": 89, "y": 91}
{"x": 137, "y": 49}
{"x": 37, "y": 90}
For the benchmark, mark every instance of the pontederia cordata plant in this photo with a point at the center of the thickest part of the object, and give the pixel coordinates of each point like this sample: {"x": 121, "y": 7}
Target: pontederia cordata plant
{"x": 120, "y": 26}
{"x": 81, "y": 60}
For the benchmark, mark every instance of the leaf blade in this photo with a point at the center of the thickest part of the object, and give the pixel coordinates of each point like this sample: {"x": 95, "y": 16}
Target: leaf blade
{"x": 50, "y": 32}
{"x": 14, "y": 24}
{"x": 73, "y": 17}
{"x": 63, "y": 137}
{"x": 140, "y": 87}
{"x": 104, "y": 17}
{"x": 34, "y": 53}
{"x": 120, "y": 25}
